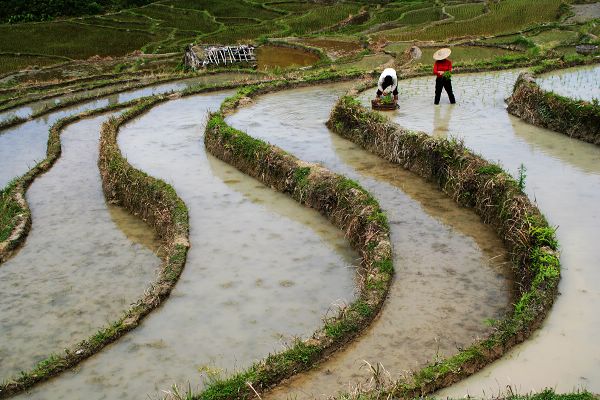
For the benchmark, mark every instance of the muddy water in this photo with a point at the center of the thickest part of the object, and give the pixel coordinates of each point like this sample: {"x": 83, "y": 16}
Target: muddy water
{"x": 269, "y": 57}
{"x": 451, "y": 269}
{"x": 563, "y": 176}
{"x": 578, "y": 83}
{"x": 261, "y": 269}
{"x": 22, "y": 146}
{"x": 76, "y": 271}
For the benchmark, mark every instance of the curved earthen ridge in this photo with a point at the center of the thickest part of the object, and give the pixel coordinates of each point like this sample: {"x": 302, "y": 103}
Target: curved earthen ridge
{"x": 346, "y": 204}
{"x": 576, "y": 118}
{"x": 495, "y": 196}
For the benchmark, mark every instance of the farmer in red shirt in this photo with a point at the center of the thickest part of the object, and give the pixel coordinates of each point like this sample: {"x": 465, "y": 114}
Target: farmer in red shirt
{"x": 442, "y": 69}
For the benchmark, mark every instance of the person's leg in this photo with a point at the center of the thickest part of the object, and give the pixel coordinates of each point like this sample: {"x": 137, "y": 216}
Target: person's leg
{"x": 438, "y": 90}
{"x": 395, "y": 93}
{"x": 448, "y": 87}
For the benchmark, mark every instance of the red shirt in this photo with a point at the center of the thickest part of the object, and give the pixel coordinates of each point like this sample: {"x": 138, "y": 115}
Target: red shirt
{"x": 439, "y": 67}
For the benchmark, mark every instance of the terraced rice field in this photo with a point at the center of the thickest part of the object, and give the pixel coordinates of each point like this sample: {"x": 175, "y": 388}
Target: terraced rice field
{"x": 263, "y": 270}
{"x": 237, "y": 299}
{"x": 24, "y": 145}
{"x": 503, "y": 17}
{"x": 552, "y": 161}
{"x": 12, "y": 62}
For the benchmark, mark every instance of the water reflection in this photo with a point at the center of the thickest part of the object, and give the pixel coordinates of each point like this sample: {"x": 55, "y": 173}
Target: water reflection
{"x": 441, "y": 120}
{"x": 136, "y": 230}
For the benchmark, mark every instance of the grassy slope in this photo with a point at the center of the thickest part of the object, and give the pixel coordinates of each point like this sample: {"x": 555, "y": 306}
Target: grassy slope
{"x": 167, "y": 25}
{"x": 506, "y": 16}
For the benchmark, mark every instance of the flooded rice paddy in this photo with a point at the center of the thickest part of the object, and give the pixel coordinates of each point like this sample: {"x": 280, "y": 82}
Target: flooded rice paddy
{"x": 261, "y": 269}
{"x": 22, "y": 146}
{"x": 77, "y": 270}
{"x": 451, "y": 269}
{"x": 563, "y": 176}
{"x": 579, "y": 83}
{"x": 269, "y": 57}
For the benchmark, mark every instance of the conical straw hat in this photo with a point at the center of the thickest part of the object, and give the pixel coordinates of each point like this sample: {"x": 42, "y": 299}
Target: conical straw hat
{"x": 442, "y": 54}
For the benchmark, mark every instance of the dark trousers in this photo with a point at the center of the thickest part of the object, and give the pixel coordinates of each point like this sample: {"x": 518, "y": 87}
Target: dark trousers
{"x": 441, "y": 82}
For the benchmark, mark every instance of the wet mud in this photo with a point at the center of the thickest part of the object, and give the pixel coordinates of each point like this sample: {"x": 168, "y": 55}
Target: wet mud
{"x": 563, "y": 177}
{"x": 261, "y": 270}
{"x": 451, "y": 271}
{"x": 77, "y": 270}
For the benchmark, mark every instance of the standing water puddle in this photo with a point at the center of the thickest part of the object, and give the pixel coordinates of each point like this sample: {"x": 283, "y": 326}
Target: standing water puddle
{"x": 76, "y": 271}
{"x": 579, "y": 83}
{"x": 563, "y": 176}
{"x": 451, "y": 271}
{"x": 261, "y": 269}
{"x": 22, "y": 146}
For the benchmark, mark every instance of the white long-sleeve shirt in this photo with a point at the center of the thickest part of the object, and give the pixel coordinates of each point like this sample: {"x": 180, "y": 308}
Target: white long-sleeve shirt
{"x": 388, "y": 72}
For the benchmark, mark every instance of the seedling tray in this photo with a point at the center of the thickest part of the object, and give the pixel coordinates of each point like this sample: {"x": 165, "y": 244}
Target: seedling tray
{"x": 376, "y": 105}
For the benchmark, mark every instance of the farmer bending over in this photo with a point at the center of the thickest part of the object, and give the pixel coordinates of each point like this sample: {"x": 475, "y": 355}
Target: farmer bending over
{"x": 442, "y": 69}
{"x": 388, "y": 83}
